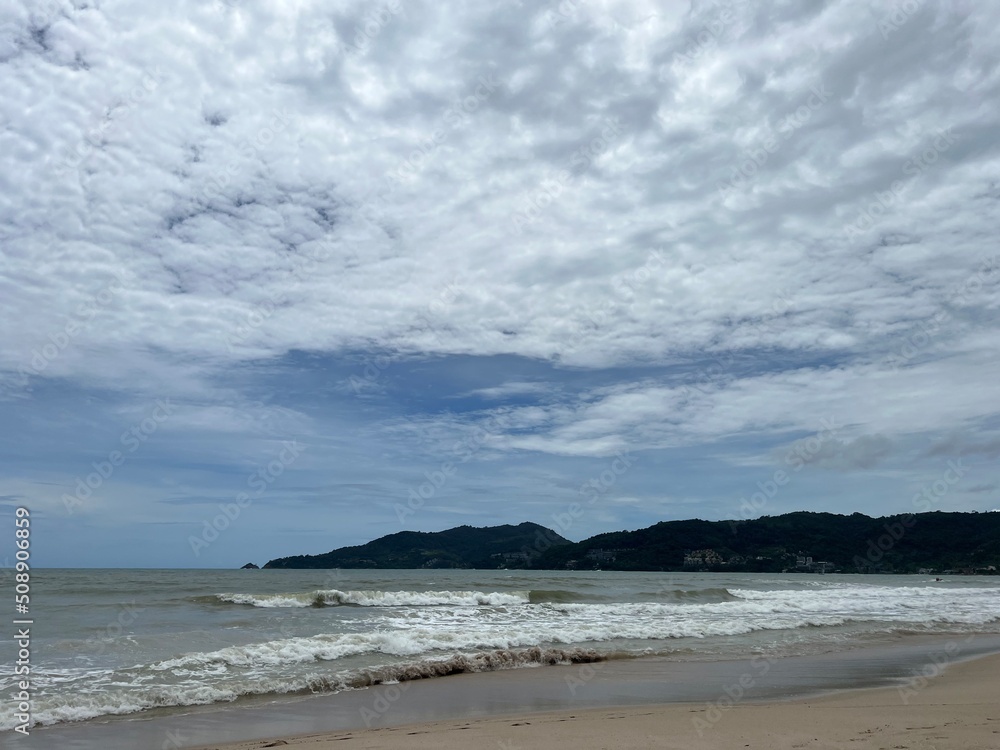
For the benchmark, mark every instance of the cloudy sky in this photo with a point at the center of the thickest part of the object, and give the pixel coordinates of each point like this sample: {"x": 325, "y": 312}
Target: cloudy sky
{"x": 279, "y": 277}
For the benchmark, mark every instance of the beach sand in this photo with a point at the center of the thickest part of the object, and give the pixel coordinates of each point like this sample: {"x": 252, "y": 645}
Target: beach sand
{"x": 958, "y": 708}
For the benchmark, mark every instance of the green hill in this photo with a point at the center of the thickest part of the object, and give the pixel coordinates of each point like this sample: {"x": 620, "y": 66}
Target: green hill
{"x": 856, "y": 543}
{"x": 461, "y": 547}
{"x": 804, "y": 541}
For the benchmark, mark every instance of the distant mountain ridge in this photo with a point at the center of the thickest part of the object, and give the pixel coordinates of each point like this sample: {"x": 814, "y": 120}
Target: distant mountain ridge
{"x": 804, "y": 541}
{"x": 934, "y": 542}
{"x": 461, "y": 547}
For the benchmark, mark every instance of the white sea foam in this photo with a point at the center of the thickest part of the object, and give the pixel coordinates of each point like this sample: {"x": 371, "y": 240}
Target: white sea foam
{"x": 574, "y": 623}
{"x": 333, "y": 598}
{"x": 91, "y": 703}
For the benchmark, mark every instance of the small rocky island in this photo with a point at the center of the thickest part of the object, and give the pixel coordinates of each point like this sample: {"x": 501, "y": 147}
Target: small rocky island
{"x": 250, "y": 566}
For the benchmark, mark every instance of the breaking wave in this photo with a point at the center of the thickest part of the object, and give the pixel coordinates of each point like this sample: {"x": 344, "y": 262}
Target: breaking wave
{"x": 373, "y": 598}
{"x": 336, "y": 598}
{"x": 696, "y": 596}
{"x": 119, "y": 702}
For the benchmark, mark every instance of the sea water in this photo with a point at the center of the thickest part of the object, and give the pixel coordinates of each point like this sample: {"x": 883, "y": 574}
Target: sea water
{"x": 122, "y": 643}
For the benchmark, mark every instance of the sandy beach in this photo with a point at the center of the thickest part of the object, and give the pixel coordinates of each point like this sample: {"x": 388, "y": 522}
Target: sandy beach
{"x": 957, "y": 708}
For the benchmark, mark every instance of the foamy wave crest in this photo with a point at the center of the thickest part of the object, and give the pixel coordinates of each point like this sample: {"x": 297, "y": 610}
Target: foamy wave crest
{"x": 577, "y": 624}
{"x": 78, "y": 707}
{"x": 568, "y": 623}
{"x": 697, "y": 596}
{"x": 335, "y": 598}
{"x": 330, "y": 647}
{"x": 970, "y": 606}
{"x": 482, "y": 661}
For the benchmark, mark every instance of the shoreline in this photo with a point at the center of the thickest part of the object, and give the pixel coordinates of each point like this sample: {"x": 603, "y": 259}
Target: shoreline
{"x": 958, "y": 708}
{"x": 632, "y": 686}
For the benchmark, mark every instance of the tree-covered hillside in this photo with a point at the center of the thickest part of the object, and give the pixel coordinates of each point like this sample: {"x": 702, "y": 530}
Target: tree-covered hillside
{"x": 856, "y": 543}
{"x": 461, "y": 547}
{"x": 808, "y": 542}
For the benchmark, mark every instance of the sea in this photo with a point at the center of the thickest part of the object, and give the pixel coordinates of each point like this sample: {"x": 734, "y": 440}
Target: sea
{"x": 120, "y": 645}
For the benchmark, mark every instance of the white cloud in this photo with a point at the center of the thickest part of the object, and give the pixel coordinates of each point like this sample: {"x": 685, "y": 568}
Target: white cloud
{"x": 262, "y": 189}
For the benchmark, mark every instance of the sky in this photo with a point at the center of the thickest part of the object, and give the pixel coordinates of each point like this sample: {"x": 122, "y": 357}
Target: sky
{"x": 279, "y": 277}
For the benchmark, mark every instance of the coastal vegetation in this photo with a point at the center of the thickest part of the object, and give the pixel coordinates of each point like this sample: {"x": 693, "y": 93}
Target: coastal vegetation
{"x": 930, "y": 543}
